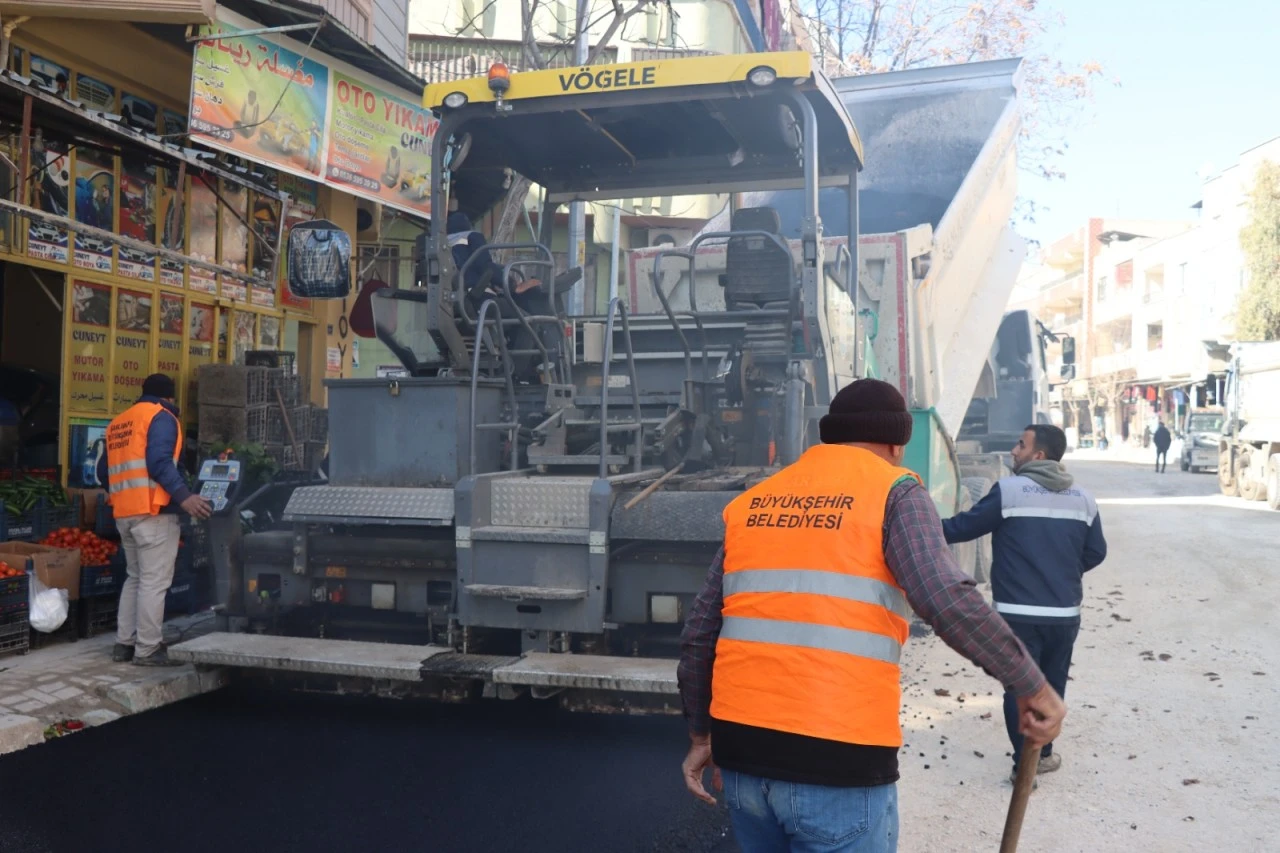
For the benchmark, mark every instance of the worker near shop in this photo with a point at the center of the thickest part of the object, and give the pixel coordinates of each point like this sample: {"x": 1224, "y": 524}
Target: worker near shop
{"x": 789, "y": 671}
{"x": 147, "y": 491}
{"x": 1163, "y": 439}
{"x": 1045, "y": 534}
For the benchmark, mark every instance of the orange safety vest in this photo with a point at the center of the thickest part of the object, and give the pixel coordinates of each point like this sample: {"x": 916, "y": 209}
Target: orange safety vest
{"x": 814, "y": 621}
{"x": 131, "y": 489}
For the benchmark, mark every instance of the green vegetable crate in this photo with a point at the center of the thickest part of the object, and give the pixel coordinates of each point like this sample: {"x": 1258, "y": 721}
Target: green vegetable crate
{"x": 32, "y": 502}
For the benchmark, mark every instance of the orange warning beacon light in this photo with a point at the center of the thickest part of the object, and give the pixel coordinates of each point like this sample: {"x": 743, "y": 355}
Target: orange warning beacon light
{"x": 499, "y": 78}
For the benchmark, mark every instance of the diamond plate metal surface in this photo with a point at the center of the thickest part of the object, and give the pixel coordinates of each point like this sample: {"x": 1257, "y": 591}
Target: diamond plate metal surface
{"x": 313, "y": 503}
{"x": 298, "y": 654}
{"x": 672, "y": 516}
{"x": 593, "y": 672}
{"x": 541, "y": 502}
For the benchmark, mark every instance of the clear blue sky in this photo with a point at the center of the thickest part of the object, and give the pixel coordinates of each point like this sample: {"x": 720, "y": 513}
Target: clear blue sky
{"x": 1199, "y": 83}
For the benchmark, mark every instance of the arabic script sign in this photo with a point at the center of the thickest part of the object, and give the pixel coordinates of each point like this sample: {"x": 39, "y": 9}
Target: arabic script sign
{"x": 267, "y": 98}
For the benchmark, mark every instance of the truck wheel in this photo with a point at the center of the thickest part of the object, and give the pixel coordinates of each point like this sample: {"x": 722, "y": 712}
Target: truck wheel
{"x": 1186, "y": 463}
{"x": 1273, "y": 482}
{"x": 1249, "y": 487}
{"x": 1227, "y": 475}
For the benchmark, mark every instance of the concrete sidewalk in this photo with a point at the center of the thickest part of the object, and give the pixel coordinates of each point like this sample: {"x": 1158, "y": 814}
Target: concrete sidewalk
{"x": 79, "y": 681}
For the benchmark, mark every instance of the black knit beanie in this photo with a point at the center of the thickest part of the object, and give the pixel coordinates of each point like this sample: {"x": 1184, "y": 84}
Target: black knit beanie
{"x": 159, "y": 385}
{"x": 868, "y": 411}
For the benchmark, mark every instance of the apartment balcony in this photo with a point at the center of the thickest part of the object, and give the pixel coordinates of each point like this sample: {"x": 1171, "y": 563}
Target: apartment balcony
{"x": 1103, "y": 365}
{"x": 1065, "y": 296}
{"x": 1115, "y": 305}
{"x": 439, "y": 58}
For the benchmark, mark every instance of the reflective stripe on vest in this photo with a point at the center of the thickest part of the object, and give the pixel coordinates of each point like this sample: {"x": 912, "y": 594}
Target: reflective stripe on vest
{"x": 814, "y": 621}
{"x": 807, "y": 635}
{"x": 1036, "y": 610}
{"x": 1022, "y": 497}
{"x": 132, "y": 491}
{"x": 834, "y": 584}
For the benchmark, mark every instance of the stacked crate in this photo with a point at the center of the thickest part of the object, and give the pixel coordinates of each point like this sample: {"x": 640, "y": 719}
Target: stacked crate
{"x": 14, "y": 602}
{"x": 241, "y": 404}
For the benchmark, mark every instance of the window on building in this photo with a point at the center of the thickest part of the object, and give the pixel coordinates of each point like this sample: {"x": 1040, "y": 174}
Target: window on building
{"x": 1102, "y": 288}
{"x": 1182, "y": 277}
{"x": 1155, "y": 336}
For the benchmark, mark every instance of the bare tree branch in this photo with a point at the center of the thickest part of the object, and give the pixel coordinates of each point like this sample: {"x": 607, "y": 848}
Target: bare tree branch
{"x": 619, "y": 18}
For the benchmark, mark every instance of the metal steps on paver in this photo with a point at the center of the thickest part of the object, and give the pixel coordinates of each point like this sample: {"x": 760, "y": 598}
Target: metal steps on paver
{"x": 413, "y": 663}
{"x": 301, "y": 654}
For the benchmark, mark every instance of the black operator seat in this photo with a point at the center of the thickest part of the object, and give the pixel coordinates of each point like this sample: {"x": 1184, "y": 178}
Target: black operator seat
{"x": 757, "y": 271}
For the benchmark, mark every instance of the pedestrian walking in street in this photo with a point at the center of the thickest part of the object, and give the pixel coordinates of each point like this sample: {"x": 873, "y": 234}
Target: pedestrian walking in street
{"x": 789, "y": 672}
{"x": 1163, "y": 440}
{"x": 146, "y": 492}
{"x": 1045, "y": 534}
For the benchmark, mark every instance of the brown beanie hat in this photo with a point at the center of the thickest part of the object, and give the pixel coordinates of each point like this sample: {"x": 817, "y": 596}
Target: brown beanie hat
{"x": 868, "y": 411}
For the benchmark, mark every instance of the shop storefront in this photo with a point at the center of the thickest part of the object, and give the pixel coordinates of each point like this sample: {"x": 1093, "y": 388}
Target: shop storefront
{"x": 127, "y": 248}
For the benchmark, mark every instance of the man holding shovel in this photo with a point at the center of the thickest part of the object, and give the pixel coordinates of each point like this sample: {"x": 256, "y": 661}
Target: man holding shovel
{"x": 789, "y": 667}
{"x": 1046, "y": 533}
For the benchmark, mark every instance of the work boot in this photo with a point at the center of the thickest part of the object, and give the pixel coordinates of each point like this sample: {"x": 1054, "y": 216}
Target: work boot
{"x": 120, "y": 653}
{"x": 160, "y": 657}
{"x": 1049, "y": 763}
{"x": 1013, "y": 779}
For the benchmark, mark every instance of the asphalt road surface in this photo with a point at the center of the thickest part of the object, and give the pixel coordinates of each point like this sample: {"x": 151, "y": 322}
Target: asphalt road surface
{"x": 239, "y": 771}
{"x": 1170, "y": 743}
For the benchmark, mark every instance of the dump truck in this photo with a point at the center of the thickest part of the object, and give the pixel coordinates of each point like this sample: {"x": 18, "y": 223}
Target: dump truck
{"x": 1249, "y": 444}
{"x": 1201, "y": 439}
{"x": 534, "y": 504}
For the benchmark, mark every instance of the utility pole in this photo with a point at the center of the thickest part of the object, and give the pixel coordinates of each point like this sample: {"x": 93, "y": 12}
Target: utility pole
{"x": 577, "y": 211}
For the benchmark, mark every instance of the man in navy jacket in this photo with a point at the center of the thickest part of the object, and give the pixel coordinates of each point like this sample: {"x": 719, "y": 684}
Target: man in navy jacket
{"x": 1045, "y": 534}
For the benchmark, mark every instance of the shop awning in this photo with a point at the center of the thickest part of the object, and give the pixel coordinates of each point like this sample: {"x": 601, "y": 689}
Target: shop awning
{"x": 133, "y": 11}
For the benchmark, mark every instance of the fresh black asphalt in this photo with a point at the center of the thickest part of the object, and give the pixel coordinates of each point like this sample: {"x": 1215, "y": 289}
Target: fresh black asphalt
{"x": 249, "y": 771}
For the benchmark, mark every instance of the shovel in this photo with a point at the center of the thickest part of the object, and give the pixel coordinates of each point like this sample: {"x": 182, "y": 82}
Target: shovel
{"x": 1022, "y": 784}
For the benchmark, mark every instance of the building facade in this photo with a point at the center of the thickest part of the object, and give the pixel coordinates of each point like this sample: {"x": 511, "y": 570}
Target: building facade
{"x": 126, "y": 248}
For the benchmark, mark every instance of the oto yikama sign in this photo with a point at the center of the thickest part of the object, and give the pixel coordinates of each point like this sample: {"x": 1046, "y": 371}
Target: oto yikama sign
{"x": 380, "y": 145}
{"x": 271, "y": 100}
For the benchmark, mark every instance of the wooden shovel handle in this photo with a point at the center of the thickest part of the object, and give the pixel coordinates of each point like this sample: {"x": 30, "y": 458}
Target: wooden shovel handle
{"x": 1022, "y": 785}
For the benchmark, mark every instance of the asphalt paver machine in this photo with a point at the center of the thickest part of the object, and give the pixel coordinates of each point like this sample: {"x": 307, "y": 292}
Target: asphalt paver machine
{"x": 535, "y": 504}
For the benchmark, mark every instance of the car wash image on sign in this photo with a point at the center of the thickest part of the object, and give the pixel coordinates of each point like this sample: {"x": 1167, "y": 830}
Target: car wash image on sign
{"x": 137, "y": 217}
{"x": 334, "y": 123}
{"x": 95, "y": 206}
{"x": 259, "y": 99}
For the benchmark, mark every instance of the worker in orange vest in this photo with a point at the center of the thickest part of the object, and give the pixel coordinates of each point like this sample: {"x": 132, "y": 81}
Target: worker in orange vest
{"x": 146, "y": 491}
{"x": 789, "y": 672}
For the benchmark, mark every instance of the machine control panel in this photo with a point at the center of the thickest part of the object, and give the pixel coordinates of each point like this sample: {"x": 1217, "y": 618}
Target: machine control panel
{"x": 219, "y": 482}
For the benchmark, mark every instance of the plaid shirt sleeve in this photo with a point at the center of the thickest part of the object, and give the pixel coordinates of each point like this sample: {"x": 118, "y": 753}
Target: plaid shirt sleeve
{"x": 946, "y": 597}
{"x": 698, "y": 649}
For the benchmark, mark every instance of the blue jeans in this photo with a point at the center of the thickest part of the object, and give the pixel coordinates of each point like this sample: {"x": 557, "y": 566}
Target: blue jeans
{"x": 786, "y": 817}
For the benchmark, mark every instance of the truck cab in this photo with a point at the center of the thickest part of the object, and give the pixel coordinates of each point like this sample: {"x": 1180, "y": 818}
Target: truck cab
{"x": 1201, "y": 434}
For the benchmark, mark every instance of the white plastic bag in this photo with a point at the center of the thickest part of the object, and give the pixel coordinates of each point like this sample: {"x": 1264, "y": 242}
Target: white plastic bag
{"x": 49, "y": 606}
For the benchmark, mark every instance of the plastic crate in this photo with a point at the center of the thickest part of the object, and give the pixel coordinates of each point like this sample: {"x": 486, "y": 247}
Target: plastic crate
{"x": 52, "y": 518}
{"x": 97, "y": 581}
{"x": 15, "y": 595}
{"x": 97, "y": 615}
{"x": 196, "y": 537}
{"x": 181, "y": 597}
{"x": 319, "y": 424}
{"x": 105, "y": 522}
{"x": 299, "y": 420}
{"x": 24, "y": 527}
{"x": 69, "y": 632}
{"x": 271, "y": 358}
{"x": 54, "y": 473}
{"x": 289, "y": 386}
{"x": 15, "y": 634}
